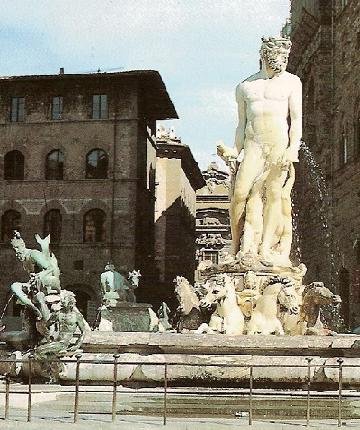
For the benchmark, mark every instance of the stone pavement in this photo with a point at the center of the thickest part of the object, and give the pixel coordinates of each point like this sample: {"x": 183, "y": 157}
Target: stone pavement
{"x": 53, "y": 409}
{"x": 146, "y": 423}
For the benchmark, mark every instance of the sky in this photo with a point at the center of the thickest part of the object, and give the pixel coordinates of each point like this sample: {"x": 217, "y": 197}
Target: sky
{"x": 202, "y": 49}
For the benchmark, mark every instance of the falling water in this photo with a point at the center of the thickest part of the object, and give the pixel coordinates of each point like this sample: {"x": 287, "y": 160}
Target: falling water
{"x": 5, "y": 307}
{"x": 296, "y": 235}
{"x": 322, "y": 202}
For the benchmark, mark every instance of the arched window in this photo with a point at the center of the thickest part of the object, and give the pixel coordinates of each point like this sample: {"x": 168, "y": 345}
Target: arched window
{"x": 52, "y": 225}
{"x": 10, "y": 221}
{"x": 94, "y": 226}
{"x": 14, "y": 165}
{"x": 82, "y": 300}
{"x": 54, "y": 166}
{"x": 97, "y": 164}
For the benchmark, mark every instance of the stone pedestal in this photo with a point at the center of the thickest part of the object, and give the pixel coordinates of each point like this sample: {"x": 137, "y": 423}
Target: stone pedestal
{"x": 128, "y": 316}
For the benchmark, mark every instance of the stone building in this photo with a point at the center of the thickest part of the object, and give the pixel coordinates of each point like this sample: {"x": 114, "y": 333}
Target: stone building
{"x": 78, "y": 160}
{"x": 325, "y": 54}
{"x": 212, "y": 214}
{"x": 178, "y": 177}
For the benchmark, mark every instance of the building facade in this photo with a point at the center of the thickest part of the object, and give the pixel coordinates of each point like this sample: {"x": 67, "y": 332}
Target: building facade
{"x": 77, "y": 160}
{"x": 325, "y": 55}
{"x": 178, "y": 178}
{"x": 212, "y": 214}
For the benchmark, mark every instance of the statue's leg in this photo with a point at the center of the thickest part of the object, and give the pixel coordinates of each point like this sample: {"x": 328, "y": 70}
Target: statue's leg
{"x": 285, "y": 239}
{"x": 18, "y": 289}
{"x": 286, "y": 236}
{"x": 273, "y": 208}
{"x": 280, "y": 330}
{"x": 253, "y": 226}
{"x": 44, "y": 310}
{"x": 249, "y": 170}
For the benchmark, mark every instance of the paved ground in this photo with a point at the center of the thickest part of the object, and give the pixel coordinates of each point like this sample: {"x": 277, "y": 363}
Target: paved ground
{"x": 146, "y": 423}
{"x": 52, "y": 413}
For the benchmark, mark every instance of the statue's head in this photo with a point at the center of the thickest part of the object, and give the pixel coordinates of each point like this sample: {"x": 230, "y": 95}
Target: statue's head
{"x": 68, "y": 300}
{"x": 21, "y": 252}
{"x": 275, "y": 52}
{"x": 109, "y": 266}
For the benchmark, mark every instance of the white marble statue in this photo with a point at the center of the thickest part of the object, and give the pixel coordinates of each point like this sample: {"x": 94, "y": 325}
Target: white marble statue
{"x": 261, "y": 160}
{"x": 248, "y": 296}
{"x": 265, "y": 317}
{"x": 228, "y": 317}
{"x": 134, "y": 278}
{"x": 188, "y": 314}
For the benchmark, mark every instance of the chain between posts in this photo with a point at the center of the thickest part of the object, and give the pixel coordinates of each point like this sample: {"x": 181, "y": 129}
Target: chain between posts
{"x": 77, "y": 377}
{"x": 113, "y": 411}
{"x": 7, "y": 395}
{"x": 165, "y": 392}
{"x": 30, "y": 362}
{"x": 31, "y": 357}
{"x": 251, "y": 382}
{"x": 340, "y": 361}
{"x": 309, "y": 360}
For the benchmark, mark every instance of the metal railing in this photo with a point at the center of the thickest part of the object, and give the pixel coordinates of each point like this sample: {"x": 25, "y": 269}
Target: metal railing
{"x": 115, "y": 382}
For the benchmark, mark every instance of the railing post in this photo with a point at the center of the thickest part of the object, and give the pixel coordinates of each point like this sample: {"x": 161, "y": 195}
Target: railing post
{"x": 251, "y": 379}
{"x": 31, "y": 357}
{"x": 308, "y": 359}
{"x": 77, "y": 377}
{"x": 340, "y": 361}
{"x": 113, "y": 411}
{"x": 165, "y": 392}
{"x": 7, "y": 395}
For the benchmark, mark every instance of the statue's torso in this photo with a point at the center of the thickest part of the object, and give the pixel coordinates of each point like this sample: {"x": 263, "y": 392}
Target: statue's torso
{"x": 68, "y": 322}
{"x": 267, "y": 107}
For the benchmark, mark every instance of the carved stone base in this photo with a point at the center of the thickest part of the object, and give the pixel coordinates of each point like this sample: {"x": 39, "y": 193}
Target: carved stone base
{"x": 128, "y": 316}
{"x": 243, "y": 263}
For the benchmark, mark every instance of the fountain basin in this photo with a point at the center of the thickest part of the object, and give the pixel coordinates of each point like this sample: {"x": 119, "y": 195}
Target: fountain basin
{"x": 218, "y": 360}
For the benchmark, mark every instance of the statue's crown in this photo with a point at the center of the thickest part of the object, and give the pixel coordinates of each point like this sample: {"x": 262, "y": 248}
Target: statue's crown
{"x": 272, "y": 42}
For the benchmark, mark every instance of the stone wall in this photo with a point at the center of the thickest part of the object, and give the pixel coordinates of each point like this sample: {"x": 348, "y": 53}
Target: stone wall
{"x": 325, "y": 56}
{"x": 126, "y": 195}
{"x": 178, "y": 177}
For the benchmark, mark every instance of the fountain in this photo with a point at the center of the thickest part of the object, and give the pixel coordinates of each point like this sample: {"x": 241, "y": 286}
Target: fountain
{"x": 263, "y": 174}
{"x": 250, "y": 310}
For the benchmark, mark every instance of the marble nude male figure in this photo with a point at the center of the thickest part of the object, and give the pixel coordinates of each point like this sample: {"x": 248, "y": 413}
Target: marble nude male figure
{"x": 269, "y": 133}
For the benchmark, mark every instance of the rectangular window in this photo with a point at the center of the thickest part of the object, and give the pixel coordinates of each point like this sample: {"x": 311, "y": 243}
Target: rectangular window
{"x": 212, "y": 256}
{"x": 78, "y": 265}
{"x": 100, "y": 106}
{"x": 57, "y": 108}
{"x": 17, "y": 109}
